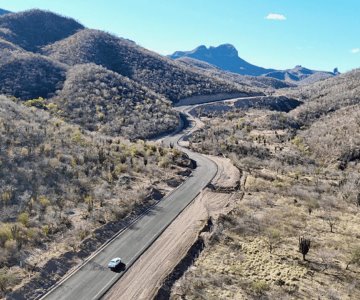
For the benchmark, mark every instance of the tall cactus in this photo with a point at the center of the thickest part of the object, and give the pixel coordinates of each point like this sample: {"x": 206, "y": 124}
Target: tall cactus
{"x": 15, "y": 230}
{"x": 304, "y": 246}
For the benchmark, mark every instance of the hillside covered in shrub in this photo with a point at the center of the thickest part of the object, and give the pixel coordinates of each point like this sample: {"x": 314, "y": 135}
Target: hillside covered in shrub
{"x": 126, "y": 58}
{"x": 107, "y": 102}
{"x": 26, "y": 75}
{"x": 327, "y": 96}
{"x": 330, "y": 116}
{"x": 98, "y": 80}
{"x": 300, "y": 181}
{"x": 59, "y": 182}
{"x": 35, "y": 28}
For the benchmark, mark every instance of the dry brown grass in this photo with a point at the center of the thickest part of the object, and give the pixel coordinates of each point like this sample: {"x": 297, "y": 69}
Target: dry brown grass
{"x": 241, "y": 259}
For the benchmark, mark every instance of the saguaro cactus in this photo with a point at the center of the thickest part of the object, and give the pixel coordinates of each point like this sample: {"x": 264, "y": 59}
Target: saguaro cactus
{"x": 304, "y": 246}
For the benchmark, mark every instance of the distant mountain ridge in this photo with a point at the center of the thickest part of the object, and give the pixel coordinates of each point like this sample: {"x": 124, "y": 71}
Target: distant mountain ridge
{"x": 260, "y": 82}
{"x": 226, "y": 58}
{"x": 300, "y": 74}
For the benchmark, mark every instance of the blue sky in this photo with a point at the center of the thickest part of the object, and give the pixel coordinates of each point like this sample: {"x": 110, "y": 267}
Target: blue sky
{"x": 319, "y": 34}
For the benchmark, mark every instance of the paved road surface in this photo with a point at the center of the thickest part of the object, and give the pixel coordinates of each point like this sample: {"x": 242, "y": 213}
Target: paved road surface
{"x": 93, "y": 279}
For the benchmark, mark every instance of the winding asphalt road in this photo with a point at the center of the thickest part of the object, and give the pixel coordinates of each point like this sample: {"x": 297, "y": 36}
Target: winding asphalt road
{"x": 93, "y": 279}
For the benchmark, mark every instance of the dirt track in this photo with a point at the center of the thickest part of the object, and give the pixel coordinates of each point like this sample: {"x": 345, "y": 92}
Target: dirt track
{"x": 145, "y": 277}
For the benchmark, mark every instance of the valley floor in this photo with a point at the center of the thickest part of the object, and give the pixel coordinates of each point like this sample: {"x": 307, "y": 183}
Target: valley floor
{"x": 253, "y": 252}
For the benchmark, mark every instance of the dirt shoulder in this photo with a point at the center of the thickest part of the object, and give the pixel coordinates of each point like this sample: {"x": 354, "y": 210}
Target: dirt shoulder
{"x": 228, "y": 176}
{"x": 145, "y": 277}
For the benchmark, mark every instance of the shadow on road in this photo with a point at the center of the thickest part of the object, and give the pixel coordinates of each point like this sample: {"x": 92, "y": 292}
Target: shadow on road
{"x": 120, "y": 268}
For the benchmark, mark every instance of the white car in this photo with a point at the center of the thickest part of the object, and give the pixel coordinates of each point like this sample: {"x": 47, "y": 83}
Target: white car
{"x": 115, "y": 262}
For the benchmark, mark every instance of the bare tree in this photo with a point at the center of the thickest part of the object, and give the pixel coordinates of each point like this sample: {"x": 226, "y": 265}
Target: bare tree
{"x": 330, "y": 218}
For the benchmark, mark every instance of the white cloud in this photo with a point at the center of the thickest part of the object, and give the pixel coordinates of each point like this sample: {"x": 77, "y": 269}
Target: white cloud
{"x": 355, "y": 50}
{"x": 276, "y": 17}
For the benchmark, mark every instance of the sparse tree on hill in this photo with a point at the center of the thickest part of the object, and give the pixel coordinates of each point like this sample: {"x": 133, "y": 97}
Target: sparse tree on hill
{"x": 273, "y": 236}
{"x": 354, "y": 258}
{"x": 330, "y": 219}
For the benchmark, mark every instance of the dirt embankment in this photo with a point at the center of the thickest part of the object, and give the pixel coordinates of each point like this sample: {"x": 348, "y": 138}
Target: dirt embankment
{"x": 227, "y": 178}
{"x": 150, "y": 271}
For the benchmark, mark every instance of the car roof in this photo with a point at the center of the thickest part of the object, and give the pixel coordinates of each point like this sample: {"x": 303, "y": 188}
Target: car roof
{"x": 116, "y": 259}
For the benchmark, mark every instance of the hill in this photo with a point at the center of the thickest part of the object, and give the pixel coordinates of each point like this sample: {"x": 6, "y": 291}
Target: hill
{"x": 260, "y": 82}
{"x": 120, "y": 105}
{"x": 107, "y": 102}
{"x": 324, "y": 97}
{"x": 26, "y": 75}
{"x": 300, "y": 75}
{"x": 33, "y": 29}
{"x": 225, "y": 57}
{"x": 5, "y": 45}
{"x": 199, "y": 64}
{"x": 334, "y": 139}
{"x": 330, "y": 114}
{"x": 126, "y": 58}
{"x": 3, "y": 12}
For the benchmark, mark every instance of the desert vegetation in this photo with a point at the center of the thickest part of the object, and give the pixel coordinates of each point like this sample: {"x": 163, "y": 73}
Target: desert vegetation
{"x": 26, "y": 75}
{"x": 295, "y": 233}
{"x": 5, "y": 45}
{"x": 335, "y": 138}
{"x": 102, "y": 82}
{"x": 126, "y": 58}
{"x": 79, "y": 103}
{"x": 23, "y": 28}
{"x": 59, "y": 182}
{"x": 327, "y": 96}
{"x": 104, "y": 101}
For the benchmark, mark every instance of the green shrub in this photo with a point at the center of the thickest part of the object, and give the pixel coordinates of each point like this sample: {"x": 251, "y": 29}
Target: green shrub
{"x": 23, "y": 218}
{"x": 5, "y": 234}
{"x": 38, "y": 103}
{"x": 259, "y": 287}
{"x": 6, "y": 279}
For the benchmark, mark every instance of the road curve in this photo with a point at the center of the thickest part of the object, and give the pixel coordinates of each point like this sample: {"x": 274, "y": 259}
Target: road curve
{"x": 93, "y": 279}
